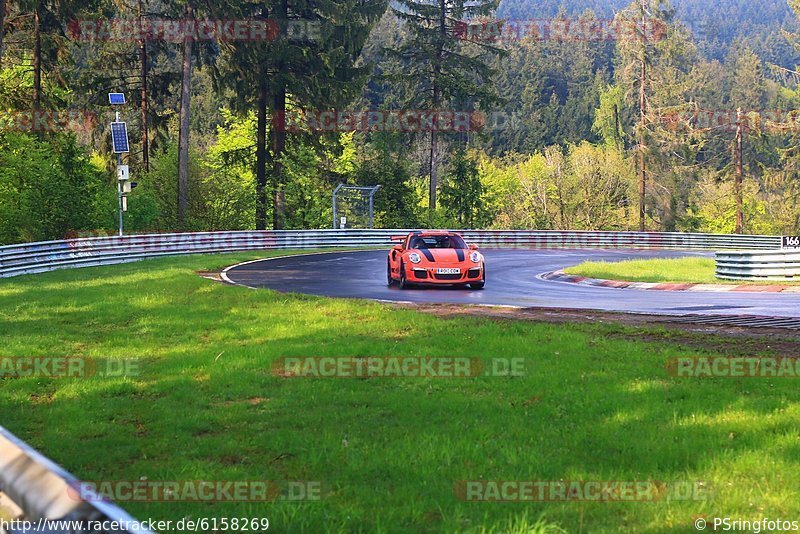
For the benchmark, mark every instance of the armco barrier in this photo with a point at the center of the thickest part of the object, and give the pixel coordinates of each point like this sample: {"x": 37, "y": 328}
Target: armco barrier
{"x": 778, "y": 265}
{"x": 33, "y": 488}
{"x": 32, "y": 258}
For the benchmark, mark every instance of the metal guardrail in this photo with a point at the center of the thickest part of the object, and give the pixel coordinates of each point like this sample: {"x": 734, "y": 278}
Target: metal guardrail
{"x": 34, "y": 489}
{"x": 30, "y": 258}
{"x": 778, "y": 265}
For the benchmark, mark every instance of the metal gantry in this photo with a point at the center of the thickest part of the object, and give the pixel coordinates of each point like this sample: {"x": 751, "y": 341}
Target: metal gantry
{"x": 369, "y": 190}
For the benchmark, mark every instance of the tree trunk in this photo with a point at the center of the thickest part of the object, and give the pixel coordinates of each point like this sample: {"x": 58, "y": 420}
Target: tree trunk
{"x": 435, "y": 101}
{"x": 739, "y": 173}
{"x": 144, "y": 104}
{"x": 37, "y": 60}
{"x": 642, "y": 126}
{"x": 183, "y": 134}
{"x": 278, "y": 148}
{"x": 278, "y": 135}
{"x": 434, "y": 178}
{"x": 261, "y": 154}
{"x": 2, "y": 28}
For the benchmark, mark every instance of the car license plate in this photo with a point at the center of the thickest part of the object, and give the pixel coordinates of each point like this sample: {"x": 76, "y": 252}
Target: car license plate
{"x": 448, "y": 271}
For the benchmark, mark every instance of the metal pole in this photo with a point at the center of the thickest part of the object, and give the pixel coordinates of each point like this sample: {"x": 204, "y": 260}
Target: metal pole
{"x": 370, "y": 211}
{"x": 371, "y": 195}
{"x": 334, "y": 210}
{"x": 119, "y": 194}
{"x": 338, "y": 187}
{"x": 119, "y": 184}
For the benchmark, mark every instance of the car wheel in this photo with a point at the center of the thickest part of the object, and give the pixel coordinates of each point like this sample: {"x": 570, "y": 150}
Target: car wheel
{"x": 389, "y": 279}
{"x": 403, "y": 281}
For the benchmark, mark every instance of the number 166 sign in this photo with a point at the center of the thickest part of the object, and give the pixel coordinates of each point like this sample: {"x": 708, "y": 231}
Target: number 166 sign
{"x": 790, "y": 241}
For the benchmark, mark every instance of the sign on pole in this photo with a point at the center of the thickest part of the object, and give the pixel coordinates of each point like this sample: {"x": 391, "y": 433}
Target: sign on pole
{"x": 120, "y": 145}
{"x": 790, "y": 241}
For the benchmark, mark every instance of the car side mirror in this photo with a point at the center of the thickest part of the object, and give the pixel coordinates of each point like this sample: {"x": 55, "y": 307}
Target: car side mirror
{"x": 397, "y": 247}
{"x": 473, "y": 246}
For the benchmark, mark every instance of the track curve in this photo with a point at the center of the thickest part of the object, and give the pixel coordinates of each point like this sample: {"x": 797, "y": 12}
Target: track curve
{"x": 512, "y": 281}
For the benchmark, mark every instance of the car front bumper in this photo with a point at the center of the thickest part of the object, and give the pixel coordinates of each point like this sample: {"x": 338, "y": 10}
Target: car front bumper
{"x": 428, "y": 275}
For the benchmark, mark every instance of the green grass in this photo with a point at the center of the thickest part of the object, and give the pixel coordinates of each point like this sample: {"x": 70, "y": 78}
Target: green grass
{"x": 595, "y": 404}
{"x": 678, "y": 270}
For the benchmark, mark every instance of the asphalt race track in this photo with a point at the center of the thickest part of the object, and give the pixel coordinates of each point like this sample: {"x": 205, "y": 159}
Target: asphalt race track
{"x": 511, "y": 280}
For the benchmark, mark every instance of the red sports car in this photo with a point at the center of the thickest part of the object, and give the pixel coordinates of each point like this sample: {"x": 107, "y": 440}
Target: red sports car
{"x": 435, "y": 258}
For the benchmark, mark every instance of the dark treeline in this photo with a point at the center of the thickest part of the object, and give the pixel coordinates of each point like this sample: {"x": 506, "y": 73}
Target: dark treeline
{"x": 715, "y": 24}
{"x": 569, "y": 132}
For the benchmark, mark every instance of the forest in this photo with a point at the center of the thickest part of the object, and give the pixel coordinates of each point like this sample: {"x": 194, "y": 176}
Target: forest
{"x": 591, "y": 115}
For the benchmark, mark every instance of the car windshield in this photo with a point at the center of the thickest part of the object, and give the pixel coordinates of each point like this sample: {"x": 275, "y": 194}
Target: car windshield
{"x": 438, "y": 241}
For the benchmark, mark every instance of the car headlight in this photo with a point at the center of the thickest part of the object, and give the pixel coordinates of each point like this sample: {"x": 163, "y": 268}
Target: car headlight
{"x": 475, "y": 257}
{"x": 414, "y": 257}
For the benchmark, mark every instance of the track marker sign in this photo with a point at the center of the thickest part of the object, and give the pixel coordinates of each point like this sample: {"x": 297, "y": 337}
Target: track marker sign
{"x": 790, "y": 241}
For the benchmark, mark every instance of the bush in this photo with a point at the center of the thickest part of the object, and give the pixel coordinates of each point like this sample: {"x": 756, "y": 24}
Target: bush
{"x": 48, "y": 187}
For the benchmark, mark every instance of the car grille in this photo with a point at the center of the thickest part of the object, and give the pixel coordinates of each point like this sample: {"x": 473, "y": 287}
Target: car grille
{"x": 421, "y": 274}
{"x": 474, "y": 273}
{"x": 448, "y": 277}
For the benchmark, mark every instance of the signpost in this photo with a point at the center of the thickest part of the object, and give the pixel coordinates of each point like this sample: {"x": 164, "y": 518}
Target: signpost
{"x": 120, "y": 145}
{"x": 790, "y": 241}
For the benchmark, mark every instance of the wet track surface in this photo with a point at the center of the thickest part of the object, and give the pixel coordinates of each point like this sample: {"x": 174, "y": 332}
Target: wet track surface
{"x": 511, "y": 280}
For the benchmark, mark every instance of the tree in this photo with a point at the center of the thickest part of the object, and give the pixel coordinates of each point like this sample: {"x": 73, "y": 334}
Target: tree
{"x": 3, "y": 7}
{"x": 382, "y": 162}
{"x": 48, "y": 187}
{"x": 50, "y": 19}
{"x": 462, "y": 192}
{"x": 655, "y": 60}
{"x": 608, "y": 120}
{"x": 442, "y": 68}
{"x": 183, "y": 135}
{"x": 312, "y": 72}
{"x": 747, "y": 81}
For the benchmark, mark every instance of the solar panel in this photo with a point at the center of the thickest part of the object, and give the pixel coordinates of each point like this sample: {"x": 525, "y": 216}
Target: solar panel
{"x": 116, "y": 99}
{"x": 119, "y": 137}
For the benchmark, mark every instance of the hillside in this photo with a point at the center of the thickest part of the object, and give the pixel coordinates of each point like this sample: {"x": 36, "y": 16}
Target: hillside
{"x": 715, "y": 23}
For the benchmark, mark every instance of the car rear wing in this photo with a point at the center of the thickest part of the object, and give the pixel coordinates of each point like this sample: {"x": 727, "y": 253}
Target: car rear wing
{"x": 399, "y": 238}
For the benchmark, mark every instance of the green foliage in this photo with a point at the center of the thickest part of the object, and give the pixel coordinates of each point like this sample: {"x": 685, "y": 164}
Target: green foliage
{"x": 582, "y": 187}
{"x": 770, "y": 211}
{"x": 308, "y": 194}
{"x": 228, "y": 181}
{"x": 550, "y": 90}
{"x": 440, "y": 69}
{"x": 48, "y": 187}
{"x": 564, "y": 157}
{"x": 462, "y": 193}
{"x": 383, "y": 163}
{"x": 608, "y": 119}
{"x": 715, "y": 24}
{"x": 222, "y": 187}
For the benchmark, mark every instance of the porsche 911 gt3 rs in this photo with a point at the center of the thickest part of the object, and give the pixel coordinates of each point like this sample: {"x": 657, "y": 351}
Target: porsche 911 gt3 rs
{"x": 435, "y": 257}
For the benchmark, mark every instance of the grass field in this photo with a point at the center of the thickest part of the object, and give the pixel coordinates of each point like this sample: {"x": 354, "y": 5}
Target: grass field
{"x": 595, "y": 404}
{"x": 673, "y": 270}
